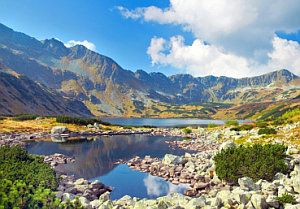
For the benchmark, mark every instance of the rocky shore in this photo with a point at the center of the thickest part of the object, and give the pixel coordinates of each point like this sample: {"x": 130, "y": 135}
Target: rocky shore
{"x": 207, "y": 191}
{"x": 69, "y": 187}
{"x": 196, "y": 170}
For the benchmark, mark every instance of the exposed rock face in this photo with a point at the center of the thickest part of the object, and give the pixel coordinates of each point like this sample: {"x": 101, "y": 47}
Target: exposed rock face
{"x": 80, "y": 73}
{"x": 19, "y": 95}
{"x": 172, "y": 159}
{"x": 247, "y": 183}
{"x": 59, "y": 130}
{"x": 227, "y": 145}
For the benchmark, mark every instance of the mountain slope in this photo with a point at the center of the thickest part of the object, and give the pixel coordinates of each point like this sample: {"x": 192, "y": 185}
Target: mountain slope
{"x": 19, "y": 95}
{"x": 108, "y": 89}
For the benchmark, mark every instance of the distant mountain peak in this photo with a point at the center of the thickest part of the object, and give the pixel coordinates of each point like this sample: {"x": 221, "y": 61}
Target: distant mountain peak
{"x": 106, "y": 88}
{"x": 56, "y": 47}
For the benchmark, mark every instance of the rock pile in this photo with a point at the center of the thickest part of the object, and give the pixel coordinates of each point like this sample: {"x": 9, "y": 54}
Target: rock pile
{"x": 57, "y": 159}
{"x": 199, "y": 144}
{"x": 191, "y": 169}
{"x": 208, "y": 191}
{"x": 12, "y": 139}
{"x": 88, "y": 193}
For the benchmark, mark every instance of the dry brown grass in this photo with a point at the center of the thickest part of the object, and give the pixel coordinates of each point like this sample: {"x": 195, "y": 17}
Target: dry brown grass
{"x": 44, "y": 125}
{"x": 30, "y": 126}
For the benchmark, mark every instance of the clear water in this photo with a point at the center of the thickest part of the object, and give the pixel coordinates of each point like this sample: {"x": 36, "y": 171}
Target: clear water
{"x": 159, "y": 122}
{"x": 124, "y": 180}
{"x": 94, "y": 159}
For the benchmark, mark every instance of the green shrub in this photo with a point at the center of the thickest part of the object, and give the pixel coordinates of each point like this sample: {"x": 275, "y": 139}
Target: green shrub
{"x": 24, "y": 117}
{"x": 256, "y": 162}
{"x": 17, "y": 164}
{"x": 261, "y": 124}
{"x": 187, "y": 130}
{"x": 231, "y": 123}
{"x": 27, "y": 182}
{"x": 127, "y": 127}
{"x": 2, "y": 117}
{"x": 245, "y": 127}
{"x": 267, "y": 131}
{"x": 79, "y": 121}
{"x": 212, "y": 125}
{"x": 286, "y": 198}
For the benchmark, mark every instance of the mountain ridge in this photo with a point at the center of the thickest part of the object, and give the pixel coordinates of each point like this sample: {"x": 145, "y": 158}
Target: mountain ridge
{"x": 108, "y": 89}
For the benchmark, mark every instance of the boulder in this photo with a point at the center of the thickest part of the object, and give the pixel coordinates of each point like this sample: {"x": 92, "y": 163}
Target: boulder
{"x": 81, "y": 188}
{"x": 190, "y": 166}
{"x": 241, "y": 196}
{"x": 90, "y": 126}
{"x": 246, "y": 183}
{"x": 268, "y": 188}
{"x": 125, "y": 201}
{"x": 172, "y": 159}
{"x": 296, "y": 183}
{"x": 196, "y": 203}
{"x": 68, "y": 196}
{"x": 59, "y": 130}
{"x": 80, "y": 181}
{"x": 292, "y": 151}
{"x": 84, "y": 202}
{"x": 272, "y": 201}
{"x": 95, "y": 203}
{"x": 290, "y": 206}
{"x": 227, "y": 145}
{"x": 259, "y": 201}
{"x": 216, "y": 202}
{"x": 225, "y": 196}
{"x": 106, "y": 205}
{"x": 104, "y": 197}
{"x": 187, "y": 155}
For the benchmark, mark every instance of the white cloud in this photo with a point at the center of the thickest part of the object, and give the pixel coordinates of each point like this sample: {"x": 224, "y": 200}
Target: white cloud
{"x": 240, "y": 32}
{"x": 286, "y": 54}
{"x": 156, "y": 186}
{"x": 200, "y": 59}
{"x": 85, "y": 43}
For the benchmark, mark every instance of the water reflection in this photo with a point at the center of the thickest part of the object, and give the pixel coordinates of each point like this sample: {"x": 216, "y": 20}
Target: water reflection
{"x": 96, "y": 158}
{"x": 59, "y": 139}
{"x": 157, "y": 186}
{"x": 126, "y": 181}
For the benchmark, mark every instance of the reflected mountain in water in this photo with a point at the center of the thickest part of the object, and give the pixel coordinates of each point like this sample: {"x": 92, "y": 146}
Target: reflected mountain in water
{"x": 94, "y": 158}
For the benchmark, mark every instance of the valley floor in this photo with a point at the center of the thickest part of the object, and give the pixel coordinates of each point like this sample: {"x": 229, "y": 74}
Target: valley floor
{"x": 197, "y": 170}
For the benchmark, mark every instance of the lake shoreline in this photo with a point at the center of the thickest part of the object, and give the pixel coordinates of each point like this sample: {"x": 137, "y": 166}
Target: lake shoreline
{"x": 196, "y": 170}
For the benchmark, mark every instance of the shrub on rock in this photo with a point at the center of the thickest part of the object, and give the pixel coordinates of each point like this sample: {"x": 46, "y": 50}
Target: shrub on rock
{"x": 27, "y": 182}
{"x": 231, "y": 123}
{"x": 256, "y": 162}
{"x": 187, "y": 130}
{"x": 286, "y": 198}
{"x": 266, "y": 131}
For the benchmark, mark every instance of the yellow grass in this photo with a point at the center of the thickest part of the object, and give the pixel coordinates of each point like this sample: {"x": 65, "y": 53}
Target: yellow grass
{"x": 30, "y": 126}
{"x": 45, "y": 125}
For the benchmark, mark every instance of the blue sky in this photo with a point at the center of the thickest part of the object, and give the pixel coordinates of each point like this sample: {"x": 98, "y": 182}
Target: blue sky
{"x": 125, "y": 37}
{"x": 125, "y": 41}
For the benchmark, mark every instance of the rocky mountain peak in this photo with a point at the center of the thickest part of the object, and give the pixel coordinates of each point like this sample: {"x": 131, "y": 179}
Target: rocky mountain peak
{"x": 56, "y": 47}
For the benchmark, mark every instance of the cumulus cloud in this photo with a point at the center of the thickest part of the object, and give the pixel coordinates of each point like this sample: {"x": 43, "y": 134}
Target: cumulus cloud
{"x": 201, "y": 59}
{"x": 156, "y": 186}
{"x": 240, "y": 33}
{"x": 85, "y": 43}
{"x": 285, "y": 54}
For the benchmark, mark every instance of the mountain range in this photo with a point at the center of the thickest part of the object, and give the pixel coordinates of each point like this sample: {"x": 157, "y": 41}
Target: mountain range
{"x": 46, "y": 77}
